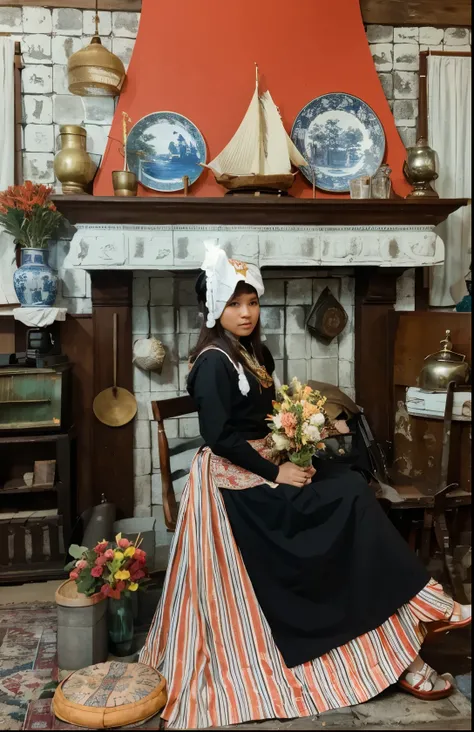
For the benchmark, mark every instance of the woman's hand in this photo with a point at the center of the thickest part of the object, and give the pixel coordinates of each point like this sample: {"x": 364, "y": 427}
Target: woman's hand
{"x": 310, "y": 472}
{"x": 292, "y": 474}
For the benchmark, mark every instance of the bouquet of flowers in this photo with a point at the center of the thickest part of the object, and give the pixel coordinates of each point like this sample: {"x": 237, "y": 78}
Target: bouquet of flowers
{"x": 109, "y": 568}
{"x": 28, "y": 215}
{"x": 299, "y": 423}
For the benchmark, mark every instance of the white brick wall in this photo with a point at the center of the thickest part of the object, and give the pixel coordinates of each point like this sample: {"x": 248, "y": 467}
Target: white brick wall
{"x": 48, "y": 38}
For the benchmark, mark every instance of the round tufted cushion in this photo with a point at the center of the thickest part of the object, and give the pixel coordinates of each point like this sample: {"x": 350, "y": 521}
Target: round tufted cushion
{"x": 111, "y": 694}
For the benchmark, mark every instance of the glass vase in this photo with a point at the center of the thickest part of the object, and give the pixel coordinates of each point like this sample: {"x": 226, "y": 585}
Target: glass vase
{"x": 120, "y": 626}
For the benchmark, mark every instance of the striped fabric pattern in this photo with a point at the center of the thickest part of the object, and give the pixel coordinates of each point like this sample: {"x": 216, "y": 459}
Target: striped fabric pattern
{"x": 212, "y": 643}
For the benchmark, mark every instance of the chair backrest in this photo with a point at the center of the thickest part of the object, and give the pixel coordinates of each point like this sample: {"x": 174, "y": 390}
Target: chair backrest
{"x": 166, "y": 409}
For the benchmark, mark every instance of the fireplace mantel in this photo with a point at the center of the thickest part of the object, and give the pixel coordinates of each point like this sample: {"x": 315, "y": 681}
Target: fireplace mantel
{"x": 168, "y": 233}
{"x": 256, "y": 211}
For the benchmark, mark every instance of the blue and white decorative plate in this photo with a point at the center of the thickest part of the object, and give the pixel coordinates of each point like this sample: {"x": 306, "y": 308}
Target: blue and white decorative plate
{"x": 341, "y": 138}
{"x": 162, "y": 148}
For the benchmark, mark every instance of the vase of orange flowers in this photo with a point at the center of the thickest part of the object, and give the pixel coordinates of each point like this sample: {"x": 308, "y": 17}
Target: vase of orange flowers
{"x": 28, "y": 214}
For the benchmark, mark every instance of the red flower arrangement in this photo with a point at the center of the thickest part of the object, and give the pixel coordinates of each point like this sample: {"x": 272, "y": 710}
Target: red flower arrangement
{"x": 109, "y": 568}
{"x": 28, "y": 215}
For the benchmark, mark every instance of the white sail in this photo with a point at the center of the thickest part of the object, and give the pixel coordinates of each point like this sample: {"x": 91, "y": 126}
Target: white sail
{"x": 241, "y": 156}
{"x": 275, "y": 158}
{"x": 295, "y": 155}
{"x": 261, "y": 145}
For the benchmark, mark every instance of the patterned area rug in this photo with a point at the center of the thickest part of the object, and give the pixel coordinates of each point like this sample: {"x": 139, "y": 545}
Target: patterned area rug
{"x": 28, "y": 669}
{"x": 29, "y": 672}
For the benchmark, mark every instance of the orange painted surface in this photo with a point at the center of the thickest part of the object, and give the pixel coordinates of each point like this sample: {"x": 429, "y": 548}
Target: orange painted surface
{"x": 196, "y": 57}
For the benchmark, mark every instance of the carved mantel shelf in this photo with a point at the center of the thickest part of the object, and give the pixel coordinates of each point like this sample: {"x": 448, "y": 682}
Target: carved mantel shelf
{"x": 255, "y": 211}
{"x": 169, "y": 233}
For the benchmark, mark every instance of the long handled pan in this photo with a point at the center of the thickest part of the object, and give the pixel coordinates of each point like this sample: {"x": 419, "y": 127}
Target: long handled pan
{"x": 115, "y": 406}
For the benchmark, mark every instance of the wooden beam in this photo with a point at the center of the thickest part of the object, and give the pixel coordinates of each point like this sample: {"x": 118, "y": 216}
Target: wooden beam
{"x": 438, "y": 13}
{"x": 131, "y": 5}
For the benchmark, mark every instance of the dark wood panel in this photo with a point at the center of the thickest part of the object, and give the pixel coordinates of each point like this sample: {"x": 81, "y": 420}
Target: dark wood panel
{"x": 418, "y": 441}
{"x": 254, "y": 211}
{"x": 375, "y": 296}
{"x": 7, "y": 334}
{"x": 419, "y": 335}
{"x": 112, "y": 471}
{"x": 383, "y": 12}
{"x": 77, "y": 344}
{"x": 441, "y": 13}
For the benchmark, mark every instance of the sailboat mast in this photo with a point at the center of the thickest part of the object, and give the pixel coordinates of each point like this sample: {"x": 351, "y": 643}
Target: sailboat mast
{"x": 260, "y": 142}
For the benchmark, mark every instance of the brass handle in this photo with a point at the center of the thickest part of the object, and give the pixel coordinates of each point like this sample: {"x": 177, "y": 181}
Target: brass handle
{"x": 115, "y": 350}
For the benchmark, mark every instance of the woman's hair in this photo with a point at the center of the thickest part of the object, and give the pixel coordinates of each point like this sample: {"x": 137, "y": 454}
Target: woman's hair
{"x": 217, "y": 336}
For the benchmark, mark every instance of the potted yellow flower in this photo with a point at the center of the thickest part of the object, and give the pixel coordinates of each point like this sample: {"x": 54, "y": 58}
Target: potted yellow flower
{"x": 114, "y": 570}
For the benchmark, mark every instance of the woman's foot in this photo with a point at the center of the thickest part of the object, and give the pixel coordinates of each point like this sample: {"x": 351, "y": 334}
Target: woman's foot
{"x": 461, "y": 617}
{"x": 422, "y": 681}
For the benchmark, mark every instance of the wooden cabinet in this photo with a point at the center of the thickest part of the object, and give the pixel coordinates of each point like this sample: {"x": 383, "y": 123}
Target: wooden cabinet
{"x": 35, "y": 521}
{"x": 34, "y": 398}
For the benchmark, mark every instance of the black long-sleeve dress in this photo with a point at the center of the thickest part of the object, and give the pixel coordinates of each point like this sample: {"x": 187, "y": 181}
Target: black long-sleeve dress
{"x": 325, "y": 562}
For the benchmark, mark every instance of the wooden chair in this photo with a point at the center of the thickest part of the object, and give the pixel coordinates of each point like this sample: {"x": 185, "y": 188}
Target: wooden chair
{"x": 166, "y": 409}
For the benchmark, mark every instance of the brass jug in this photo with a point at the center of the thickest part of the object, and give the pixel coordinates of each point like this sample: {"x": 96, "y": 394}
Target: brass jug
{"x": 420, "y": 169}
{"x": 442, "y": 367}
{"x": 73, "y": 166}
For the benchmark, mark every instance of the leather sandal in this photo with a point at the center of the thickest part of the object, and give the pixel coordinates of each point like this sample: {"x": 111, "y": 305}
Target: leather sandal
{"x": 463, "y": 612}
{"x": 422, "y": 684}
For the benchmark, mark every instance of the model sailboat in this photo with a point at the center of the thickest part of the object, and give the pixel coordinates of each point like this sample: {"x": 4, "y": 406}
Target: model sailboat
{"x": 260, "y": 154}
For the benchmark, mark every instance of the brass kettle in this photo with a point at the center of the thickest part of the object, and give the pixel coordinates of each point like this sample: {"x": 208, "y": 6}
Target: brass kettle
{"x": 442, "y": 367}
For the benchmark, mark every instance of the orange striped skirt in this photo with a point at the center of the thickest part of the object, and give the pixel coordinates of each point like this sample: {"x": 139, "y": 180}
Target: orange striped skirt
{"x": 212, "y": 643}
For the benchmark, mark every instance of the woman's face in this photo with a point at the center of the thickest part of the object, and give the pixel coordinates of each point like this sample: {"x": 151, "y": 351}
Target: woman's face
{"x": 241, "y": 314}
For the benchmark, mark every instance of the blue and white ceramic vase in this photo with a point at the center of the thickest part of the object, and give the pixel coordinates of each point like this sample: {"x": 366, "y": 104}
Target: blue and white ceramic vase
{"x": 35, "y": 283}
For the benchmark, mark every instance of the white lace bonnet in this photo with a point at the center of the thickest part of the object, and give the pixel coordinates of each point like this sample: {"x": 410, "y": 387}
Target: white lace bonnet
{"x": 222, "y": 277}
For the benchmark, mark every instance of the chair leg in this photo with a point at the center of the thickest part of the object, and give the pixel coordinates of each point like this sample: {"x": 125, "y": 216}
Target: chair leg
{"x": 426, "y": 535}
{"x": 444, "y": 543}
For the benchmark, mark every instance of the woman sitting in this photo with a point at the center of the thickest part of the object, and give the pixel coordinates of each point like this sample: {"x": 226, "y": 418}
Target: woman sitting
{"x": 288, "y": 590}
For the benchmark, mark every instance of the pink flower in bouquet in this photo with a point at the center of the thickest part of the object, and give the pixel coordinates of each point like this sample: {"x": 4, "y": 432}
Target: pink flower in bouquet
{"x": 123, "y": 543}
{"x": 73, "y": 575}
{"x": 137, "y": 575}
{"x": 101, "y": 560}
{"x": 101, "y": 547}
{"x": 140, "y": 556}
{"x": 120, "y": 586}
{"x": 80, "y": 565}
{"x": 109, "y": 555}
{"x": 97, "y": 571}
{"x": 288, "y": 422}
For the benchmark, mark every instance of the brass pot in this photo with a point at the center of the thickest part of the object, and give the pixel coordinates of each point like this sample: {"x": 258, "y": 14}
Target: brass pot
{"x": 420, "y": 169}
{"x": 124, "y": 182}
{"x": 442, "y": 367}
{"x": 73, "y": 166}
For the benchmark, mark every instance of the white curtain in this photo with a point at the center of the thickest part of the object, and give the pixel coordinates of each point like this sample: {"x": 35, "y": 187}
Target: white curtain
{"x": 449, "y": 134}
{"x": 7, "y": 161}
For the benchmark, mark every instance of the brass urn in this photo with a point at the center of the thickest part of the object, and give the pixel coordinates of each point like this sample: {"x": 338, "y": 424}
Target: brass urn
{"x": 72, "y": 165}
{"x": 442, "y": 367}
{"x": 420, "y": 169}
